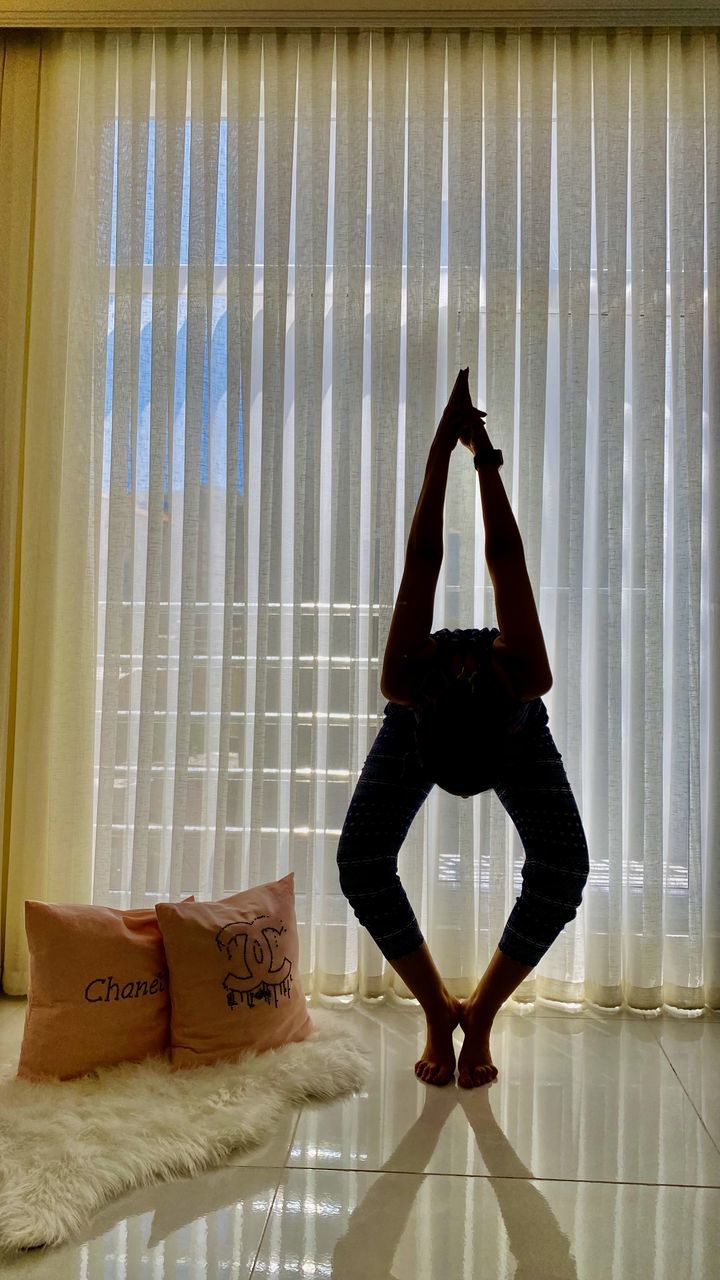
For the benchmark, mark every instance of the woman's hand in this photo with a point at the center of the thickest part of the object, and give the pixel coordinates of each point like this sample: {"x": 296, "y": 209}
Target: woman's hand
{"x": 472, "y": 433}
{"x": 460, "y": 417}
{"x": 456, "y": 412}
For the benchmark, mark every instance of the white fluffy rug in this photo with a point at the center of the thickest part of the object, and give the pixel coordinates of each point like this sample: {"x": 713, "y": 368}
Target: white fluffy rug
{"x": 67, "y": 1148}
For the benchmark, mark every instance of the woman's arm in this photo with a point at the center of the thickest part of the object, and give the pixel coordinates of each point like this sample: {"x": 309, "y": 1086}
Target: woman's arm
{"x": 459, "y": 417}
{"x": 401, "y": 671}
{"x": 426, "y": 531}
{"x": 409, "y": 634}
{"x": 520, "y": 645}
{"x": 408, "y": 644}
{"x": 501, "y": 528}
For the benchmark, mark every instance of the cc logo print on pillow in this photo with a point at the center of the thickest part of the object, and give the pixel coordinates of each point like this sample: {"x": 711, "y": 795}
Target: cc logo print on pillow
{"x": 265, "y": 969}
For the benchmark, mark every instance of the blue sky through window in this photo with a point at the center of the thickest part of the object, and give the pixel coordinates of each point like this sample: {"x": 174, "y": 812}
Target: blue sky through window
{"x": 213, "y": 443}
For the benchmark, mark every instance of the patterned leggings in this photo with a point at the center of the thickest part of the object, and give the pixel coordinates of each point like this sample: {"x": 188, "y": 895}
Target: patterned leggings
{"x": 534, "y": 791}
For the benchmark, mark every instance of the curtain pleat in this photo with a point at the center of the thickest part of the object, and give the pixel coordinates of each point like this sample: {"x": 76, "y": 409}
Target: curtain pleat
{"x": 603, "y": 578}
{"x": 569, "y": 410}
{"x": 243, "y": 272}
{"x": 193, "y": 749}
{"x": 710, "y": 658}
{"x": 267, "y": 455}
{"x": 232, "y": 831}
{"x": 151, "y": 850}
{"x": 388, "y": 81}
{"x": 120, "y": 676}
{"x": 682, "y": 906}
{"x": 347, "y": 723}
{"x": 644, "y": 551}
{"x": 311, "y": 683}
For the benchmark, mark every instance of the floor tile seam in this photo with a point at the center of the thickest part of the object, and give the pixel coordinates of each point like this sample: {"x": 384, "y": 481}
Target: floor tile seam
{"x": 503, "y": 1177}
{"x": 687, "y": 1095}
{"x": 241, "y": 1163}
{"x": 285, "y": 1164}
{"x": 268, "y": 1214}
{"x": 300, "y": 1109}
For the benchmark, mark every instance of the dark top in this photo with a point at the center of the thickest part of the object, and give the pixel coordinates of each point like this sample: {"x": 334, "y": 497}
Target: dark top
{"x": 514, "y": 713}
{"x": 507, "y": 721}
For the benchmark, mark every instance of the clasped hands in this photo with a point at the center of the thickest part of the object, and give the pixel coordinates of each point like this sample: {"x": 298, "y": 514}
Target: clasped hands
{"x": 461, "y": 420}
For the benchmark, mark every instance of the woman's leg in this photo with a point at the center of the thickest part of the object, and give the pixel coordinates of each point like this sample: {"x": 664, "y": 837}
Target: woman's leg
{"x": 537, "y": 795}
{"x": 382, "y": 808}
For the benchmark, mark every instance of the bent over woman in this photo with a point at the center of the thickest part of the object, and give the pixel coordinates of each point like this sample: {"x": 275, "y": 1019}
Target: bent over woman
{"x": 465, "y": 713}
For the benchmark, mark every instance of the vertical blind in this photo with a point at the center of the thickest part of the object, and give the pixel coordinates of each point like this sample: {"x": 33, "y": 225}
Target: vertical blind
{"x": 300, "y": 238}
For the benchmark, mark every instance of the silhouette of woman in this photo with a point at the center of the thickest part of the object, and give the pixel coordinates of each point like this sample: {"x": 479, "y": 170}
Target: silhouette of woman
{"x": 465, "y": 713}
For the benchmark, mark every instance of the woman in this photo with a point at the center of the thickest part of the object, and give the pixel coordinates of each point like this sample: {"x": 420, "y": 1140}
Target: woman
{"x": 465, "y": 712}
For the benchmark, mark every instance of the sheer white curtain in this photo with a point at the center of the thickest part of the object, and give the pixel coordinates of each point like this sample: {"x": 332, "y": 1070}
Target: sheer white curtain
{"x": 300, "y": 238}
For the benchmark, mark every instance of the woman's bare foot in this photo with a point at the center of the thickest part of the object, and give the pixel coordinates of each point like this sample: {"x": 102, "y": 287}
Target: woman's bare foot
{"x": 437, "y": 1064}
{"x": 475, "y": 1063}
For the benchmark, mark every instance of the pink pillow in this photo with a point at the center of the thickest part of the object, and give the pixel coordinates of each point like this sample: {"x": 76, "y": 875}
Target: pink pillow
{"x": 234, "y": 981}
{"x": 98, "y": 989}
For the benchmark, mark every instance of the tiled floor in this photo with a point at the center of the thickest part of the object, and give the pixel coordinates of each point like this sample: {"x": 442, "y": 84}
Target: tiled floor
{"x": 596, "y": 1153}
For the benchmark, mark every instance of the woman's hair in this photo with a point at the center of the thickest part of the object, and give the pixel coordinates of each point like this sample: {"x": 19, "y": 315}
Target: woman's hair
{"x": 458, "y": 738}
{"x": 461, "y": 722}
